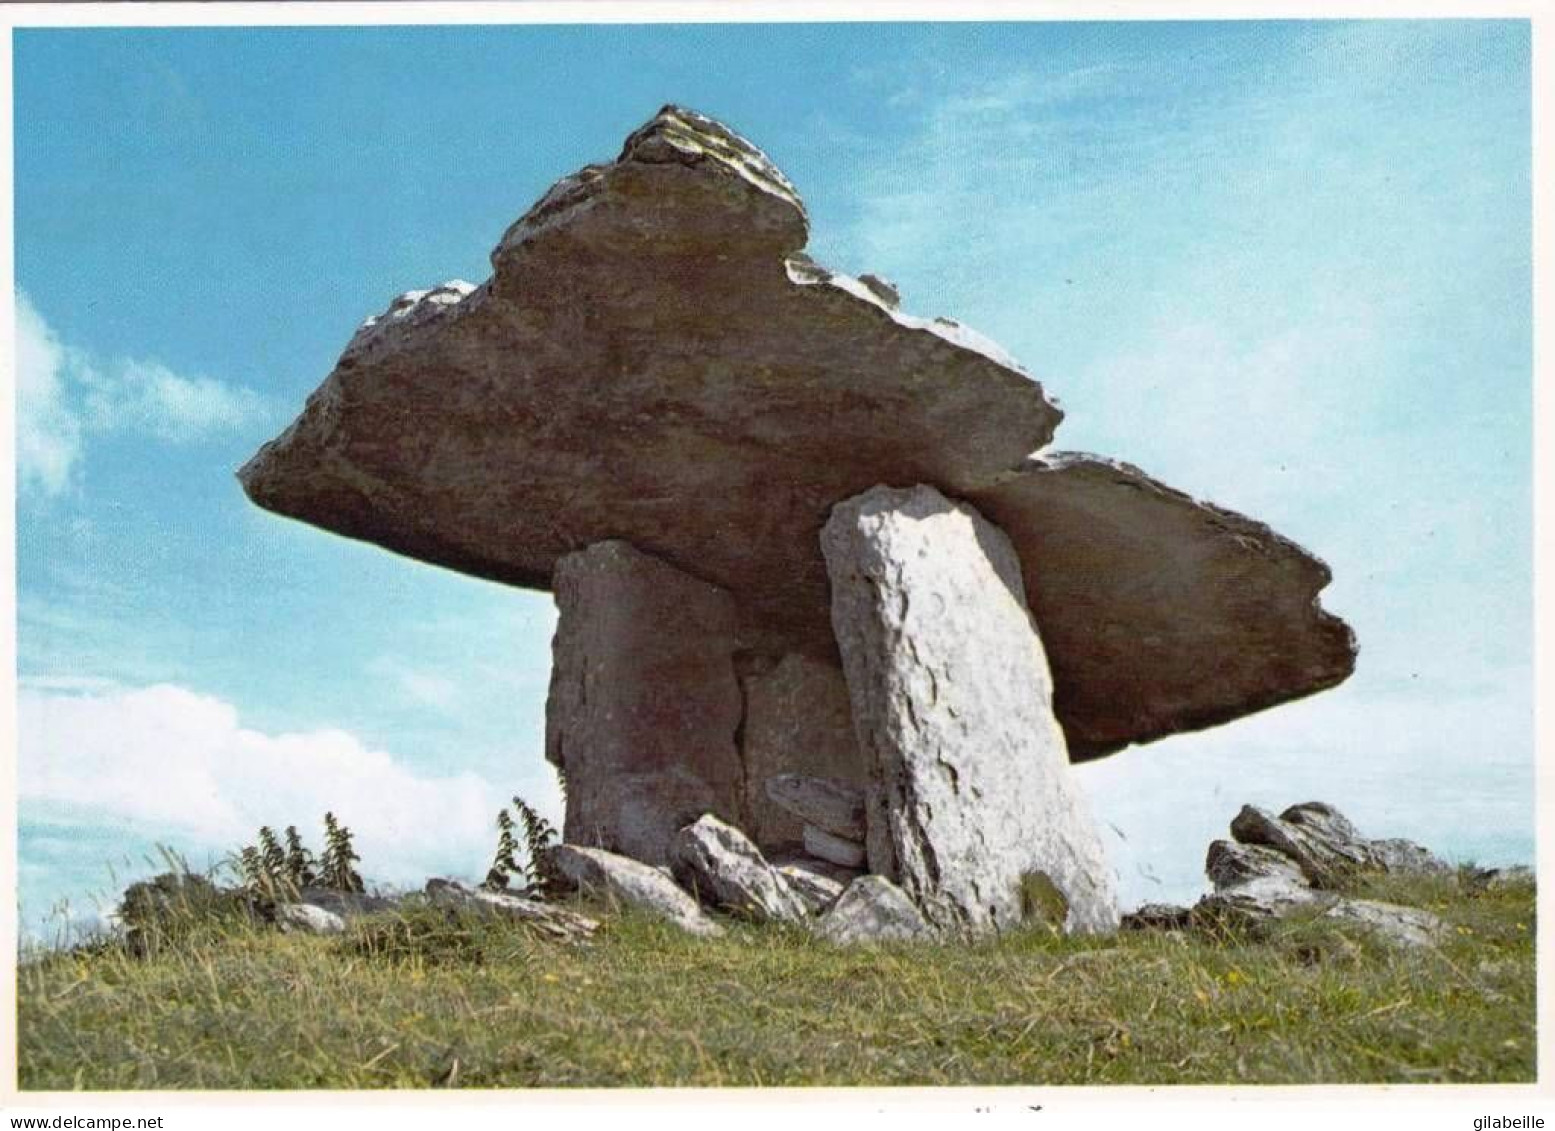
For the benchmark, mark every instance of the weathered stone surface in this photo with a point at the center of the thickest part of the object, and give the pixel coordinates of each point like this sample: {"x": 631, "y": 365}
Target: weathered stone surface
{"x": 1156, "y": 917}
{"x": 1257, "y": 901}
{"x": 1160, "y": 613}
{"x": 644, "y": 703}
{"x": 545, "y": 918}
{"x": 656, "y": 360}
{"x": 872, "y": 910}
{"x": 828, "y": 846}
{"x": 633, "y": 883}
{"x": 797, "y": 721}
{"x": 836, "y": 807}
{"x": 1325, "y": 848}
{"x": 951, "y": 699}
{"x": 1405, "y": 857}
{"x": 347, "y": 905}
{"x": 308, "y": 918}
{"x": 1228, "y": 863}
{"x": 721, "y": 867}
{"x": 1401, "y": 926}
{"x": 1257, "y": 904}
{"x": 817, "y": 882}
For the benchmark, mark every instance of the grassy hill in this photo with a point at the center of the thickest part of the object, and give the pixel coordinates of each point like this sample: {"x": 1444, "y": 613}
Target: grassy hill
{"x": 418, "y": 999}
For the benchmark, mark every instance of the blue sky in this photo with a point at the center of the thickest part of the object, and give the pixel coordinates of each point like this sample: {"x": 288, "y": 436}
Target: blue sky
{"x": 1283, "y": 266}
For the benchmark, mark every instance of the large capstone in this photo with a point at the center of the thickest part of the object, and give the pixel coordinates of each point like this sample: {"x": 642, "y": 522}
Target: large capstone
{"x": 655, "y": 359}
{"x": 953, "y": 704}
{"x": 644, "y": 703}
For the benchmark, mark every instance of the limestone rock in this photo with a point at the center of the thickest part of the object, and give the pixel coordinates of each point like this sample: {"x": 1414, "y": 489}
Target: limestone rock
{"x": 347, "y": 905}
{"x": 308, "y": 918}
{"x": 633, "y": 883}
{"x": 1160, "y": 613}
{"x": 817, "y": 882}
{"x": 833, "y": 806}
{"x": 1401, "y": 926}
{"x": 543, "y": 918}
{"x": 655, "y": 359}
{"x": 1229, "y": 863}
{"x": 1323, "y": 845}
{"x": 1255, "y": 902}
{"x": 719, "y": 864}
{"x": 829, "y": 846}
{"x": 797, "y": 721}
{"x": 872, "y": 910}
{"x": 1156, "y": 917}
{"x": 1405, "y": 857}
{"x": 951, "y": 700}
{"x": 644, "y": 702}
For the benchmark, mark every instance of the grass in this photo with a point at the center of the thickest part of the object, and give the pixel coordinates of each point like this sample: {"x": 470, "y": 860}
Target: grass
{"x": 420, "y": 999}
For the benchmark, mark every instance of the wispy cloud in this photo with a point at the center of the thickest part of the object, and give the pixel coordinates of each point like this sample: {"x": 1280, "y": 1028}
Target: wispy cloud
{"x": 65, "y": 396}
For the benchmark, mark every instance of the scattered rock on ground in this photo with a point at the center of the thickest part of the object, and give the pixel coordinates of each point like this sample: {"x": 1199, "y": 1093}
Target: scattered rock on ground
{"x": 633, "y": 883}
{"x": 721, "y": 867}
{"x": 872, "y": 909}
{"x": 819, "y": 890}
{"x": 308, "y": 918}
{"x": 546, "y": 918}
{"x": 1229, "y": 863}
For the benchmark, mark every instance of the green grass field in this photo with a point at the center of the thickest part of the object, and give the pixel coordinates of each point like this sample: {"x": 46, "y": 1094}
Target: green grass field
{"x": 419, "y": 1000}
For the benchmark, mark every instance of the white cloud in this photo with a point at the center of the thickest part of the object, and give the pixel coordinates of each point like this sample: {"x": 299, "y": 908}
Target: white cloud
{"x": 64, "y": 397}
{"x": 48, "y": 432}
{"x": 167, "y": 758}
{"x": 153, "y": 399}
{"x": 422, "y": 685}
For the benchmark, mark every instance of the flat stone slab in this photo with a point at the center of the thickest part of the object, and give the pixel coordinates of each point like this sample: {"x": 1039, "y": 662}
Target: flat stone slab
{"x": 656, "y": 360}
{"x": 1160, "y": 613}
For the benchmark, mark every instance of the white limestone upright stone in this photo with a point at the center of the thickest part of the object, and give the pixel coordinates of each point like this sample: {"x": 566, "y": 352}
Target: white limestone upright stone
{"x": 952, "y": 700}
{"x": 644, "y": 702}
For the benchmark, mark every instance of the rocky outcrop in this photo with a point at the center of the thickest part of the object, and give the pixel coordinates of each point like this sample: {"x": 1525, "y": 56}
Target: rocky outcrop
{"x": 656, "y": 360}
{"x": 544, "y": 918}
{"x": 951, "y": 700}
{"x": 723, "y": 869}
{"x": 797, "y": 722}
{"x": 1325, "y": 846}
{"x": 632, "y": 883}
{"x": 644, "y": 703}
{"x": 1287, "y": 866}
{"x": 872, "y": 910}
{"x": 1229, "y": 863}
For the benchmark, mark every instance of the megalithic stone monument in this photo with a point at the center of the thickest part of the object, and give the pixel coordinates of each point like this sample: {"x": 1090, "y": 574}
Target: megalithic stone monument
{"x": 653, "y": 406}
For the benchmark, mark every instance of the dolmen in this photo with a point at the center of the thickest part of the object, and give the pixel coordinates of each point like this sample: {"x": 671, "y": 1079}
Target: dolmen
{"x": 795, "y": 535}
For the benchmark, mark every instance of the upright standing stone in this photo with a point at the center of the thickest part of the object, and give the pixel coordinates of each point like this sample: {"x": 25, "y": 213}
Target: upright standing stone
{"x": 644, "y": 703}
{"x": 952, "y": 700}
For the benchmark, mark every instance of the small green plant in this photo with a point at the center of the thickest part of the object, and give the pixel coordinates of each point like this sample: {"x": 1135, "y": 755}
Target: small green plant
{"x": 536, "y": 876}
{"x": 336, "y": 869}
{"x": 300, "y": 865}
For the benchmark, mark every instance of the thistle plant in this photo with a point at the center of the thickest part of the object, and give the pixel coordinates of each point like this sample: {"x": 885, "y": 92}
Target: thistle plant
{"x": 299, "y": 864}
{"x": 335, "y": 869}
